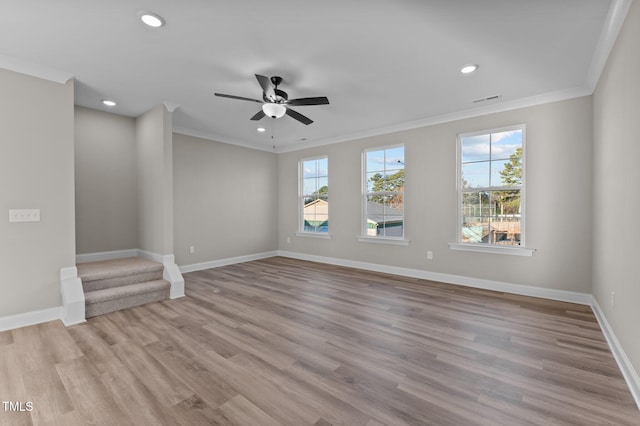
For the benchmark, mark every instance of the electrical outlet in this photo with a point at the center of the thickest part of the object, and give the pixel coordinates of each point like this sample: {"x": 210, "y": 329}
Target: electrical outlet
{"x": 288, "y": 240}
{"x": 192, "y": 249}
{"x": 430, "y": 255}
{"x": 613, "y": 299}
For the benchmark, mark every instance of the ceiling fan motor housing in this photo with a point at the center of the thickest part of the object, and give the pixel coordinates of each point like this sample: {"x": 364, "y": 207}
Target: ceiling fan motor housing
{"x": 281, "y": 95}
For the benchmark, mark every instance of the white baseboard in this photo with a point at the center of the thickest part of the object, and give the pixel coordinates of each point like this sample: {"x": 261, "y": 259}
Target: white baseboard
{"x": 174, "y": 276}
{"x": 73, "y": 305}
{"x": 171, "y": 271}
{"x": 106, "y": 255}
{"x": 627, "y": 369}
{"x": 524, "y": 290}
{"x": 228, "y": 261}
{"x": 629, "y": 373}
{"x": 160, "y": 258}
{"x": 30, "y": 318}
{"x": 545, "y": 293}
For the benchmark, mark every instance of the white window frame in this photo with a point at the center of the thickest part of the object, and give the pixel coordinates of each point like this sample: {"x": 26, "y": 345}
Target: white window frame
{"x": 520, "y": 250}
{"x": 301, "y": 196}
{"x": 363, "y": 237}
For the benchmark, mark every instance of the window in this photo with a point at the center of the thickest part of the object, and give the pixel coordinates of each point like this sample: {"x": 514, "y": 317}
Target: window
{"x": 491, "y": 187}
{"x": 383, "y": 191}
{"x": 314, "y": 196}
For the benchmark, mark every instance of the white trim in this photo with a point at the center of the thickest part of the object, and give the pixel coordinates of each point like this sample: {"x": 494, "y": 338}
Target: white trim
{"x": 522, "y": 187}
{"x": 492, "y": 248}
{"x": 68, "y": 273}
{"x": 160, "y": 258}
{"x": 630, "y": 375}
{"x": 170, "y": 106}
{"x": 221, "y": 139}
{"x": 545, "y": 98}
{"x": 364, "y": 193}
{"x": 614, "y": 21}
{"x": 302, "y": 195}
{"x": 34, "y": 70}
{"x": 29, "y": 318}
{"x": 321, "y": 235}
{"x": 524, "y": 290}
{"x": 73, "y": 305}
{"x": 227, "y": 261}
{"x": 119, "y": 254}
{"x": 106, "y": 255}
{"x": 610, "y": 30}
{"x": 383, "y": 240}
{"x": 170, "y": 273}
{"x": 628, "y": 372}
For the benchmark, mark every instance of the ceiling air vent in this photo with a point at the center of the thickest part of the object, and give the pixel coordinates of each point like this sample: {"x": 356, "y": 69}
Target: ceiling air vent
{"x": 488, "y": 98}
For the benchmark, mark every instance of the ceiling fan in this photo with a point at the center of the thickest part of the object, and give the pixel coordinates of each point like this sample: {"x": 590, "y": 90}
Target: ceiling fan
{"x": 276, "y": 102}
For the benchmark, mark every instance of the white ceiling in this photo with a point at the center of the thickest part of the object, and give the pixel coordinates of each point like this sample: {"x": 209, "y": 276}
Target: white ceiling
{"x": 384, "y": 65}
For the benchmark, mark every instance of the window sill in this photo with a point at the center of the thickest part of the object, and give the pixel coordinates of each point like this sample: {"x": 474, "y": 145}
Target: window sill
{"x": 493, "y": 249}
{"x": 321, "y": 235}
{"x": 379, "y": 240}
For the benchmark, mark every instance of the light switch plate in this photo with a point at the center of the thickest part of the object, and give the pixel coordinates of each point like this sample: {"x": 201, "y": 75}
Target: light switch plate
{"x": 24, "y": 215}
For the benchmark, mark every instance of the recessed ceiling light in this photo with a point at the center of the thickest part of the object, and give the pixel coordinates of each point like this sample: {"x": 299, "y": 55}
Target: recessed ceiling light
{"x": 261, "y": 129}
{"x": 469, "y": 68}
{"x": 108, "y": 102}
{"x": 152, "y": 19}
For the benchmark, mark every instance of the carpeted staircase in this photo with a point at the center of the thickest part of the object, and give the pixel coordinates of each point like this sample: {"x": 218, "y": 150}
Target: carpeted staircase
{"x": 111, "y": 285}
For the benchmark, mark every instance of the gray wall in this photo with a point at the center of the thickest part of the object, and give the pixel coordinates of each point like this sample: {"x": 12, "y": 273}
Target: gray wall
{"x": 225, "y": 200}
{"x": 558, "y": 146}
{"x": 155, "y": 181}
{"x": 105, "y": 182}
{"x": 616, "y": 200}
{"x": 36, "y": 172}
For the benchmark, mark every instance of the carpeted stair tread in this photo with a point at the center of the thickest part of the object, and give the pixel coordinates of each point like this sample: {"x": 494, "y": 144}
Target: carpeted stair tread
{"x": 108, "y": 294}
{"x": 102, "y": 302}
{"x": 115, "y": 268}
{"x": 112, "y": 285}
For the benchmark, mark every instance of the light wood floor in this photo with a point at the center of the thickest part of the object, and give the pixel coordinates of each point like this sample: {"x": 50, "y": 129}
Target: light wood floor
{"x": 281, "y": 341}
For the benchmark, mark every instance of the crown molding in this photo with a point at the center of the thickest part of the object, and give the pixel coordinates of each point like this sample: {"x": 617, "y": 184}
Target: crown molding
{"x": 492, "y": 108}
{"x": 218, "y": 138}
{"x": 171, "y": 106}
{"x": 610, "y": 30}
{"x": 613, "y": 23}
{"x": 34, "y": 70}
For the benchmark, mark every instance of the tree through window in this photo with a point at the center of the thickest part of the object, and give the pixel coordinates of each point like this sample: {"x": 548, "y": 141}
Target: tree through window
{"x": 491, "y": 185}
{"x": 384, "y": 193}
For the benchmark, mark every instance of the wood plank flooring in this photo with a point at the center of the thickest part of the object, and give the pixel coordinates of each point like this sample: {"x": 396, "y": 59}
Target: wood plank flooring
{"x": 286, "y": 342}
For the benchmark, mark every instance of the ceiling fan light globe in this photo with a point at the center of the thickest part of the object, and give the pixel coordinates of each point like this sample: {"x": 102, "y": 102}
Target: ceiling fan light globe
{"x": 274, "y": 110}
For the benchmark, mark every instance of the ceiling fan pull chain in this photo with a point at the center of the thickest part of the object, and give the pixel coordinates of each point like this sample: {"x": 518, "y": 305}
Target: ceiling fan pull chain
{"x": 273, "y": 133}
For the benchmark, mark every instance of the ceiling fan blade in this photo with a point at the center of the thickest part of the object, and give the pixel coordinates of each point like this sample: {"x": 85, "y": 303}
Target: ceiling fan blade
{"x": 267, "y": 88}
{"x": 301, "y": 118}
{"x": 222, "y": 95}
{"x": 259, "y": 115}
{"x": 320, "y": 100}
